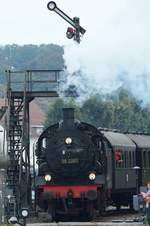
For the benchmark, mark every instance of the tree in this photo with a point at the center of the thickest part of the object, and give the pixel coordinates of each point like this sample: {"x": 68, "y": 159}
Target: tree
{"x": 54, "y": 113}
{"x": 121, "y": 111}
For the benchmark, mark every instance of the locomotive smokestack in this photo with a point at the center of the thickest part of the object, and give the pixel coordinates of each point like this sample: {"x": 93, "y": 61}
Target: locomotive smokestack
{"x": 68, "y": 117}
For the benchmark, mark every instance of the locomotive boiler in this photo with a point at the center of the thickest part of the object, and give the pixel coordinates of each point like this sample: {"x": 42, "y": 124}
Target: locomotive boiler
{"x": 71, "y": 168}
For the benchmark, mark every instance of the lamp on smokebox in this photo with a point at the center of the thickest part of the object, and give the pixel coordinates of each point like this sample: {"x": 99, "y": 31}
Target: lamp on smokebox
{"x": 24, "y": 212}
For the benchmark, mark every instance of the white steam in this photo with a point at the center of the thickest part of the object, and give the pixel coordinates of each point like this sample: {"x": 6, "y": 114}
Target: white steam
{"x": 115, "y": 50}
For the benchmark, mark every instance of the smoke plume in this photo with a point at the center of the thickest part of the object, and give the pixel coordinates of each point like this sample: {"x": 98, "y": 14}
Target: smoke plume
{"x": 114, "y": 52}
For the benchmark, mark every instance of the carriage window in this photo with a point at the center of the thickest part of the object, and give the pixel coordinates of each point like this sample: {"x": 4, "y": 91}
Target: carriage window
{"x": 144, "y": 159}
{"x": 130, "y": 159}
{"x": 130, "y": 153}
{"x": 119, "y": 159}
{"x": 118, "y": 155}
{"x": 124, "y": 159}
{"x": 134, "y": 160}
{"x": 148, "y": 159}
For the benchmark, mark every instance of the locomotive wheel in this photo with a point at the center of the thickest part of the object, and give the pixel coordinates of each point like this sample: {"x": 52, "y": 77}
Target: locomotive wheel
{"x": 90, "y": 210}
{"x": 101, "y": 201}
{"x": 118, "y": 206}
{"x": 52, "y": 212}
{"x": 131, "y": 205}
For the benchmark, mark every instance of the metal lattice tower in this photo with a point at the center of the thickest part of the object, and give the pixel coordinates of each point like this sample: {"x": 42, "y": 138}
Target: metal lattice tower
{"x": 22, "y": 88}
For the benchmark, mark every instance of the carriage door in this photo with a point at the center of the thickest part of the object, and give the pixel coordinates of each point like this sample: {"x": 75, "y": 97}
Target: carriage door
{"x": 119, "y": 169}
{"x": 130, "y": 172}
{"x": 124, "y": 173}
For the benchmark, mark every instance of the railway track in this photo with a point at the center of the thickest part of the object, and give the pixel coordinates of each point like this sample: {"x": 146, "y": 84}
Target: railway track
{"x": 111, "y": 218}
{"x": 121, "y": 215}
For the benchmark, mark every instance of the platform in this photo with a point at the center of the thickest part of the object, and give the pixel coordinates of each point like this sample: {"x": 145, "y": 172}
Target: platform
{"x": 86, "y": 224}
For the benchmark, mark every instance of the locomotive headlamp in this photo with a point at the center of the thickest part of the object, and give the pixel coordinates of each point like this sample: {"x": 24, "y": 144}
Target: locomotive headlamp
{"x": 24, "y": 212}
{"x": 68, "y": 140}
{"x": 48, "y": 177}
{"x": 92, "y": 176}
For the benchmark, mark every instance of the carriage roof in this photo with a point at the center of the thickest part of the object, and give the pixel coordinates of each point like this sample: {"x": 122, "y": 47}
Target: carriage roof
{"x": 141, "y": 140}
{"x": 117, "y": 139}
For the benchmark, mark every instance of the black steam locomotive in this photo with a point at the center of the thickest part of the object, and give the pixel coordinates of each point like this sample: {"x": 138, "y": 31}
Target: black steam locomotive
{"x": 82, "y": 169}
{"x": 71, "y": 173}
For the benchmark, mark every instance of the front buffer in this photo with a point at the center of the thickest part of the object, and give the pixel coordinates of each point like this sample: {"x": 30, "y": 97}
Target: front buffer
{"x": 77, "y": 200}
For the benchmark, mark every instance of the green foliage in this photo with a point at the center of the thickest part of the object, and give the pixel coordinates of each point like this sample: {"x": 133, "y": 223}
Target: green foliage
{"x": 15, "y": 57}
{"x": 97, "y": 112}
{"x": 54, "y": 113}
{"x": 121, "y": 111}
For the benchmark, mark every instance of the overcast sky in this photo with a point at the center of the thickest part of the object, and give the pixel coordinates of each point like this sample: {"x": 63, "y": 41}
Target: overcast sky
{"x": 114, "y": 51}
{"x": 29, "y": 21}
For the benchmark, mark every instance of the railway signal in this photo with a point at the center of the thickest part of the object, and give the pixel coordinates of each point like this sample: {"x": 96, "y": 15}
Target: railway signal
{"x": 77, "y": 31}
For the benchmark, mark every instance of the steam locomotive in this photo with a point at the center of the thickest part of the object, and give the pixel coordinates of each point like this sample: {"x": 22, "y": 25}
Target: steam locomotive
{"x": 71, "y": 173}
{"x": 82, "y": 169}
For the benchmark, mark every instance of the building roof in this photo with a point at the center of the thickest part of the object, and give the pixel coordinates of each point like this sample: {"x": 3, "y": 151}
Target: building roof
{"x": 118, "y": 139}
{"x": 2, "y": 102}
{"x": 142, "y": 141}
{"x": 37, "y": 116}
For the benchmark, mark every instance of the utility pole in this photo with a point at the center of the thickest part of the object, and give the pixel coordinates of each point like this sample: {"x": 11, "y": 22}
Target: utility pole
{"x": 76, "y": 31}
